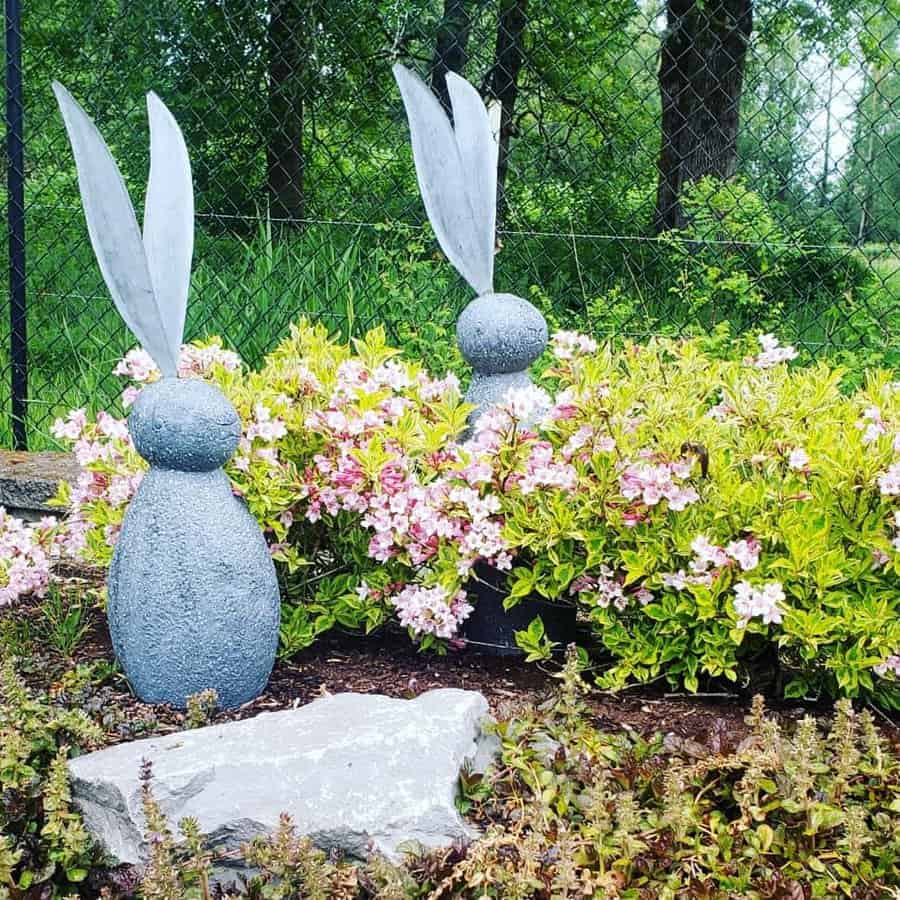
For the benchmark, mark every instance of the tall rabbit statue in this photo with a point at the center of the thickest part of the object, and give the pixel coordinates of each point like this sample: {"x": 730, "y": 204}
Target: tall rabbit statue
{"x": 499, "y": 335}
{"x": 193, "y": 596}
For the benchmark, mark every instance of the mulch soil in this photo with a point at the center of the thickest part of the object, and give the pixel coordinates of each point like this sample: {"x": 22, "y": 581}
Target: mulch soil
{"x": 389, "y": 664}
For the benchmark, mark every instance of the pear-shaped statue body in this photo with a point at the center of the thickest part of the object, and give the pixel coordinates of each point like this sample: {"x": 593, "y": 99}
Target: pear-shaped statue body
{"x": 193, "y": 595}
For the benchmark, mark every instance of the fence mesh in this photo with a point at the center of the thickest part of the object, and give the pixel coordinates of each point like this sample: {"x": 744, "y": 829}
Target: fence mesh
{"x": 665, "y": 167}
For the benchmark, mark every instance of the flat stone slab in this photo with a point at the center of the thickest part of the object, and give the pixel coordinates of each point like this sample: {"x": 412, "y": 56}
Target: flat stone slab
{"x": 29, "y": 480}
{"x": 352, "y": 770}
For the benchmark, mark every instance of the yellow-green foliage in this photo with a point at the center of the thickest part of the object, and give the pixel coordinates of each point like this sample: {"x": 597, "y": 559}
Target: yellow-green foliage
{"x": 781, "y": 457}
{"x": 583, "y": 813}
{"x": 43, "y": 843}
{"x": 774, "y": 558}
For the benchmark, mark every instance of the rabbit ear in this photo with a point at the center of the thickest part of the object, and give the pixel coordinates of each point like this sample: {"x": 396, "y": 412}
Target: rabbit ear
{"x": 450, "y": 169}
{"x": 114, "y": 233}
{"x": 478, "y": 151}
{"x": 169, "y": 219}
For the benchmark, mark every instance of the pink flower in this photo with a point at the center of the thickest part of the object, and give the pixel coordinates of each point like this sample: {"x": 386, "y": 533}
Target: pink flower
{"x": 872, "y": 425}
{"x": 745, "y": 553}
{"x": 890, "y": 665}
{"x": 70, "y": 428}
{"x": 137, "y": 365}
{"x": 772, "y": 353}
{"x": 798, "y": 459}
{"x": 889, "y": 482}
{"x": 431, "y": 610}
{"x": 763, "y": 602}
{"x": 707, "y": 554}
{"x": 571, "y": 344}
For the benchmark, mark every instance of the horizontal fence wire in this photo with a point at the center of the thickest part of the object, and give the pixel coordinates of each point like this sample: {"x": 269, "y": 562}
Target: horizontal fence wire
{"x": 666, "y": 167}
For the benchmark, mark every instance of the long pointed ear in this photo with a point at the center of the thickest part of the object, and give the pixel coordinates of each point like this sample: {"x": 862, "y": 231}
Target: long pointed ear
{"x": 114, "y": 233}
{"x": 169, "y": 219}
{"x": 457, "y": 216}
{"x": 478, "y": 151}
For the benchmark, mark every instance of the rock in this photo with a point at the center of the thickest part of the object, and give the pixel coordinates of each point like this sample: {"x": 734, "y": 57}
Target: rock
{"x": 29, "y": 480}
{"x": 350, "y": 769}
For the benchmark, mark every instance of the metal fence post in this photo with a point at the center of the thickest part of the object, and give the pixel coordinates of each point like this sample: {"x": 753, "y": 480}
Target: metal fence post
{"x": 15, "y": 179}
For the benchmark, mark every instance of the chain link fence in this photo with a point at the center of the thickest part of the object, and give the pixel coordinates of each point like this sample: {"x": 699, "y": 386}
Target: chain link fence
{"x": 665, "y": 167}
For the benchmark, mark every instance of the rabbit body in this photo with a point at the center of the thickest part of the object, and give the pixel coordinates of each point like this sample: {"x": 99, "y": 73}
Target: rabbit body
{"x": 193, "y": 595}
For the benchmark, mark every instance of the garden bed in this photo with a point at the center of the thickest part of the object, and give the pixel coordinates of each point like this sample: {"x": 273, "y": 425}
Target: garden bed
{"x": 388, "y": 664}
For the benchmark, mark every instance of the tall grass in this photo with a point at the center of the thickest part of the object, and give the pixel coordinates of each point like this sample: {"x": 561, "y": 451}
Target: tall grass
{"x": 248, "y": 289}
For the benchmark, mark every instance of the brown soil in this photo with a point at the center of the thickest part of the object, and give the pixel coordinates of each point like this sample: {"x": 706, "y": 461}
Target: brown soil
{"x": 389, "y": 664}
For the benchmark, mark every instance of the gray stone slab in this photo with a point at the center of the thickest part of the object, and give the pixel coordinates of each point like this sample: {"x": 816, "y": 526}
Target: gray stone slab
{"x": 29, "y": 480}
{"x": 353, "y": 770}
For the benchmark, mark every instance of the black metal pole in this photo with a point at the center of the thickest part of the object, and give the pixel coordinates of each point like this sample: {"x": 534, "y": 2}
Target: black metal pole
{"x": 15, "y": 180}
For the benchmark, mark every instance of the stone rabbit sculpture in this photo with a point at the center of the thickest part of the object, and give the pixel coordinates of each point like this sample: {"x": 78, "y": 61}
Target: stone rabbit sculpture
{"x": 499, "y": 335}
{"x": 193, "y": 595}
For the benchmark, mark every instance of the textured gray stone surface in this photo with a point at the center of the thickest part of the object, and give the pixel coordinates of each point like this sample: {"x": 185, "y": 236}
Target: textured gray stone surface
{"x": 349, "y": 769}
{"x": 184, "y": 424}
{"x": 501, "y": 333}
{"x": 29, "y": 480}
{"x": 193, "y": 595}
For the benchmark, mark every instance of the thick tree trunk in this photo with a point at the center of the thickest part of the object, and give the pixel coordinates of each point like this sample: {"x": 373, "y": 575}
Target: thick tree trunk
{"x": 289, "y": 23}
{"x": 450, "y": 48}
{"x": 701, "y": 74}
{"x": 503, "y": 82}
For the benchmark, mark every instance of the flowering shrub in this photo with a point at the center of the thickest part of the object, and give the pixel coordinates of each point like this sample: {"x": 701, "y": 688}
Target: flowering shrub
{"x": 26, "y": 552}
{"x": 785, "y": 546}
{"x": 708, "y": 515}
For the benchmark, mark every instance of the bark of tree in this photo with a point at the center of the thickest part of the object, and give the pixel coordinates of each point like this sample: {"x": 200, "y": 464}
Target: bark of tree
{"x": 450, "y": 48}
{"x": 289, "y": 24}
{"x": 701, "y": 74}
{"x": 867, "y": 175}
{"x": 503, "y": 82}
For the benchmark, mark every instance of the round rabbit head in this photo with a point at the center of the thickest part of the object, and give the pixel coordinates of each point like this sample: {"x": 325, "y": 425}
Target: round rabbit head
{"x": 184, "y": 424}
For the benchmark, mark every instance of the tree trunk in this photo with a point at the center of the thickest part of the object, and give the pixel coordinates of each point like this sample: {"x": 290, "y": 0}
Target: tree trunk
{"x": 450, "y": 48}
{"x": 701, "y": 73}
{"x": 289, "y": 23}
{"x": 867, "y": 176}
{"x": 503, "y": 82}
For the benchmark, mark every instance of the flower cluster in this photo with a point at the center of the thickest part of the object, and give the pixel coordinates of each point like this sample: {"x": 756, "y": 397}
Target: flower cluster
{"x": 649, "y": 483}
{"x": 431, "y": 610}
{"x": 448, "y": 500}
{"x": 871, "y": 425}
{"x": 607, "y": 589}
{"x": 772, "y": 353}
{"x": 710, "y": 560}
{"x": 570, "y": 344}
{"x": 26, "y": 553}
{"x": 890, "y": 666}
{"x": 750, "y": 602}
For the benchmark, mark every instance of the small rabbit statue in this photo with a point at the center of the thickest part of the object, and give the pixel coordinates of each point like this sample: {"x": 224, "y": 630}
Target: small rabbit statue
{"x": 193, "y": 595}
{"x": 499, "y": 335}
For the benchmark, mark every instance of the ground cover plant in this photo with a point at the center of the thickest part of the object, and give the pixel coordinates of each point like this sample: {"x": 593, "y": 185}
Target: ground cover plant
{"x": 713, "y": 510}
{"x": 781, "y": 808}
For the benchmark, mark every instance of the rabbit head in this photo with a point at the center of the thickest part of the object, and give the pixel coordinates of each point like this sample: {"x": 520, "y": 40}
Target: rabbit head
{"x": 147, "y": 276}
{"x": 184, "y": 424}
